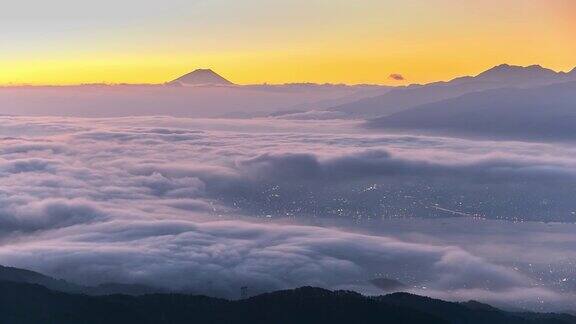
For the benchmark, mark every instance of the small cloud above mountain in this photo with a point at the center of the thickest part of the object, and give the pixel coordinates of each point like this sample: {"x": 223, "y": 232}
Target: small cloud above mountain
{"x": 396, "y": 77}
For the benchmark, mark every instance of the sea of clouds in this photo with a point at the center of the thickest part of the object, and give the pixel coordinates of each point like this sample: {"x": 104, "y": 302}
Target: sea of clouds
{"x": 209, "y": 205}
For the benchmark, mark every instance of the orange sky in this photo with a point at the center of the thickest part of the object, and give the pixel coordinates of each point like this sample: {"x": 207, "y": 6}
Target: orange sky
{"x": 277, "y": 41}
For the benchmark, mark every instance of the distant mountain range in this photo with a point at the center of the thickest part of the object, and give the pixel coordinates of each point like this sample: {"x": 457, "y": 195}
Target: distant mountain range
{"x": 536, "y": 114}
{"x": 30, "y": 297}
{"x": 502, "y": 76}
{"x": 204, "y": 93}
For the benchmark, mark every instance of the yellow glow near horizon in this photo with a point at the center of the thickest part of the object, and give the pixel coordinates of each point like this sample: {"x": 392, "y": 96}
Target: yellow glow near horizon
{"x": 279, "y": 41}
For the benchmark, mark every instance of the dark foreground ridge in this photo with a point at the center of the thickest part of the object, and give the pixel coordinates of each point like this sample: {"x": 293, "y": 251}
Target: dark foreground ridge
{"x": 32, "y": 303}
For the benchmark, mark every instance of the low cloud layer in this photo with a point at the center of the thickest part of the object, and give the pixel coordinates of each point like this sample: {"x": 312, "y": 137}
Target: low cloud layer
{"x": 219, "y": 257}
{"x": 192, "y": 204}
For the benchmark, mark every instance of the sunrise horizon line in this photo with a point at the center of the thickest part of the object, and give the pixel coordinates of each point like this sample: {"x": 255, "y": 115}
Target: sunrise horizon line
{"x": 390, "y": 77}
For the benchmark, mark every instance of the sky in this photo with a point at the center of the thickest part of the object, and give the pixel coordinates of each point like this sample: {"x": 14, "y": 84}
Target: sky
{"x": 278, "y": 41}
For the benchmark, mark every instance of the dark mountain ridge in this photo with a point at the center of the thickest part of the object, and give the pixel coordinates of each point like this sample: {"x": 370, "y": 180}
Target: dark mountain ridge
{"x": 30, "y": 277}
{"x": 30, "y": 297}
{"x": 22, "y": 303}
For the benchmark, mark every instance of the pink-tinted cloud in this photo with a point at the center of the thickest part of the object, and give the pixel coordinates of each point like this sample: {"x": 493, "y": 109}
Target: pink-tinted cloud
{"x": 396, "y": 77}
{"x": 162, "y": 201}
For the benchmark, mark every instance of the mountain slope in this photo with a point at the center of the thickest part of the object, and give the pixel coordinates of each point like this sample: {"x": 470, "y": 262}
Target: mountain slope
{"x": 501, "y": 76}
{"x": 25, "y": 303}
{"x": 545, "y": 113}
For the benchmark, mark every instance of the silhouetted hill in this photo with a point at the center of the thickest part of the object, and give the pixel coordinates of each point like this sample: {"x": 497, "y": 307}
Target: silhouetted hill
{"x": 26, "y": 303}
{"x": 201, "y": 77}
{"x": 545, "y": 113}
{"x": 30, "y": 277}
{"x": 125, "y": 289}
{"x": 502, "y": 76}
{"x": 469, "y": 312}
